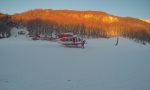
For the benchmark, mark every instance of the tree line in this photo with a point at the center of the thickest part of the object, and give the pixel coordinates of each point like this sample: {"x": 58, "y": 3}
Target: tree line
{"x": 89, "y": 27}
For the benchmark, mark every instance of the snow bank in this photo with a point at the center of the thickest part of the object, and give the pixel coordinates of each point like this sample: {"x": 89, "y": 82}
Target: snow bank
{"x": 15, "y": 32}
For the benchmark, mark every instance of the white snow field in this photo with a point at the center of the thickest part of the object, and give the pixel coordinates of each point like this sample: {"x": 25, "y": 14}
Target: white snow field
{"x": 43, "y": 65}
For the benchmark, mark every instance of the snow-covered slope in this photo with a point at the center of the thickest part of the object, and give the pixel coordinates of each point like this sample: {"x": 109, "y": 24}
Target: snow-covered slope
{"x": 44, "y": 65}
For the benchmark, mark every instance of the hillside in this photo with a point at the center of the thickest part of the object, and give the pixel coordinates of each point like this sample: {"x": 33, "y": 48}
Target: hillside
{"x": 89, "y": 23}
{"x": 146, "y": 20}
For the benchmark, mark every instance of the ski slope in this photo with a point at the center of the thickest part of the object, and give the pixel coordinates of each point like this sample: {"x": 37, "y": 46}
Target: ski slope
{"x": 43, "y": 65}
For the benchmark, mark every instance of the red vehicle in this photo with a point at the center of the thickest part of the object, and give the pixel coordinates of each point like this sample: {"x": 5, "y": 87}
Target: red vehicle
{"x": 70, "y": 40}
{"x": 36, "y": 37}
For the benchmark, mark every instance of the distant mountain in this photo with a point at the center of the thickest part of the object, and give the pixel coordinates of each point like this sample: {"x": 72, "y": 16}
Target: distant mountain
{"x": 91, "y": 23}
{"x": 146, "y": 20}
{"x": 1, "y": 14}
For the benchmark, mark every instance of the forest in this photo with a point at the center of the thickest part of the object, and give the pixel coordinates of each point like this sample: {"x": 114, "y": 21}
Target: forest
{"x": 89, "y": 24}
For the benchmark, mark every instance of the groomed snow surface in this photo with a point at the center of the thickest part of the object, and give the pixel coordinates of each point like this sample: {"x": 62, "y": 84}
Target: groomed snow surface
{"x": 43, "y": 65}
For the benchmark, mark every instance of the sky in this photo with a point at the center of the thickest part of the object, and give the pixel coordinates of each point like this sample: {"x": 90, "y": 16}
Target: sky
{"x": 125, "y": 8}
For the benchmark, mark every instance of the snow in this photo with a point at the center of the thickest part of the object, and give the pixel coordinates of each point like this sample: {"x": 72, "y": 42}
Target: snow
{"x": 14, "y": 31}
{"x": 43, "y": 65}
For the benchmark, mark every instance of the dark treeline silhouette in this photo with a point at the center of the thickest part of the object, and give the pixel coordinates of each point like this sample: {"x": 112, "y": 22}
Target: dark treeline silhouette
{"x": 5, "y": 21}
{"x": 89, "y": 24}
